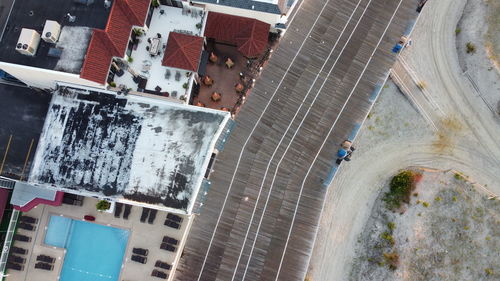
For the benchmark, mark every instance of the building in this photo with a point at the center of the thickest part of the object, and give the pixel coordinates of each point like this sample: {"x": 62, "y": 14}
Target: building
{"x": 274, "y": 12}
{"x": 132, "y": 149}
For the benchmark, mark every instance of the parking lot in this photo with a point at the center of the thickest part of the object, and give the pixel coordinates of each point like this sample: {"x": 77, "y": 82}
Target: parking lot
{"x": 22, "y": 117}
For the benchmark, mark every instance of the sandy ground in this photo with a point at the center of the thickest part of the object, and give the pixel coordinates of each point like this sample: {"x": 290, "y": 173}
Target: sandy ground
{"x": 482, "y": 66}
{"x": 450, "y": 231}
{"x": 396, "y": 136}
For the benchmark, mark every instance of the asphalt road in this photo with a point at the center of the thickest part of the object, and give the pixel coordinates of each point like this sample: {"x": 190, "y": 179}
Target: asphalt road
{"x": 22, "y": 118}
{"x": 261, "y": 215}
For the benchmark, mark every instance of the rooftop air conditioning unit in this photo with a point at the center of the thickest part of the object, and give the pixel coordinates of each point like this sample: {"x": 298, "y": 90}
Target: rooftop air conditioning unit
{"x": 51, "y": 31}
{"x": 28, "y": 41}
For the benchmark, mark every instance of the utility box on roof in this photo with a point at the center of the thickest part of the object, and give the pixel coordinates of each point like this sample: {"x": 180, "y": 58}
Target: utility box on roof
{"x": 51, "y": 31}
{"x": 28, "y": 41}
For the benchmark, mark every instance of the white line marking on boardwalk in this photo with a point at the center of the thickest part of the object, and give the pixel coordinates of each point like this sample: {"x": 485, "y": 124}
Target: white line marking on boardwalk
{"x": 293, "y": 137}
{"x": 328, "y": 135}
{"x": 251, "y": 133}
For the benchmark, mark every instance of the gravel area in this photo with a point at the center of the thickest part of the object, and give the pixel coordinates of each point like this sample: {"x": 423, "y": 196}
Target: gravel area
{"x": 450, "y": 231}
{"x": 482, "y": 65}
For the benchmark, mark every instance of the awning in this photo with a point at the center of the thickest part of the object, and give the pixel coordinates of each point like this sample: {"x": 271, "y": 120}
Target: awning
{"x": 26, "y": 196}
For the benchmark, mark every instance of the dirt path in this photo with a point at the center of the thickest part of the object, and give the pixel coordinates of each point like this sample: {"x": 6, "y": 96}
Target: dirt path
{"x": 396, "y": 137}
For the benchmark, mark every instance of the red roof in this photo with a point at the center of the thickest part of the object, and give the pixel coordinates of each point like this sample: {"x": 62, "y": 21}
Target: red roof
{"x": 113, "y": 41}
{"x": 249, "y": 35}
{"x": 99, "y": 53}
{"x": 183, "y": 51}
{"x": 140, "y": 8}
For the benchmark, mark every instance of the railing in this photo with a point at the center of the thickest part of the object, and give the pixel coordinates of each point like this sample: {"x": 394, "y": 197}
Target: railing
{"x": 219, "y": 145}
{"x": 7, "y": 183}
{"x": 8, "y": 240}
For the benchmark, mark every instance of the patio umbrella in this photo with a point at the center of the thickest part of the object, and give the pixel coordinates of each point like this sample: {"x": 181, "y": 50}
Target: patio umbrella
{"x": 229, "y": 63}
{"x": 213, "y": 58}
{"x": 239, "y": 87}
{"x": 199, "y": 103}
{"x": 216, "y": 96}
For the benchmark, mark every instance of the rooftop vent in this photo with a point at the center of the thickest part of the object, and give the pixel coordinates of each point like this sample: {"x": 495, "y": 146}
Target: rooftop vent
{"x": 51, "y": 31}
{"x": 70, "y": 17}
{"x": 28, "y": 41}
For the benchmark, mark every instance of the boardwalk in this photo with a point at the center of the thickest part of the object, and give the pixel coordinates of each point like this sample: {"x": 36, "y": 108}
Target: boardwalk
{"x": 261, "y": 214}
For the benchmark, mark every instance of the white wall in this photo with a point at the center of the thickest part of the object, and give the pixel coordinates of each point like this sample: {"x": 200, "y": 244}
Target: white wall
{"x": 44, "y": 78}
{"x": 272, "y": 19}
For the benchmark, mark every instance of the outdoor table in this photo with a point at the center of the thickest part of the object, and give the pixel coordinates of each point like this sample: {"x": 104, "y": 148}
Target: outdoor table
{"x": 229, "y": 63}
{"x": 216, "y": 96}
{"x": 154, "y": 46}
{"x": 238, "y": 87}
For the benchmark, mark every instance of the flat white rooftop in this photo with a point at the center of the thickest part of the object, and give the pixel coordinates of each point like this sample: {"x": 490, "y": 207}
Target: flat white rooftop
{"x": 170, "y": 20}
{"x": 131, "y": 149}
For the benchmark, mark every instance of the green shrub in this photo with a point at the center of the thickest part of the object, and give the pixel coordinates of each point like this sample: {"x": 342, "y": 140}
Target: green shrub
{"x": 391, "y": 225}
{"x": 198, "y": 25}
{"x": 388, "y": 237}
{"x": 112, "y": 84}
{"x": 458, "y": 30}
{"x": 471, "y": 48}
{"x": 400, "y": 190}
{"x": 155, "y": 3}
{"x": 130, "y": 59}
{"x": 185, "y": 85}
{"x": 103, "y": 205}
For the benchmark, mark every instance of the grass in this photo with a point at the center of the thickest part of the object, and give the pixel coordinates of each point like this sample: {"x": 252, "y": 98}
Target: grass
{"x": 488, "y": 271}
{"x": 458, "y": 176}
{"x": 400, "y": 190}
{"x": 470, "y": 48}
{"x": 421, "y": 85}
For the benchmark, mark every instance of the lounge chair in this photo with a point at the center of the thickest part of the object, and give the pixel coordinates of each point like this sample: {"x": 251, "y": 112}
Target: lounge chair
{"x": 26, "y": 226}
{"x": 139, "y": 259}
{"x": 159, "y": 274}
{"x": 44, "y": 266}
{"x": 45, "y": 258}
{"x": 167, "y": 247}
{"x": 118, "y": 209}
{"x": 170, "y": 240}
{"x": 145, "y": 214}
{"x": 152, "y": 216}
{"x": 175, "y": 218}
{"x": 140, "y": 251}
{"x": 15, "y": 266}
{"x": 163, "y": 265}
{"x": 126, "y": 212}
{"x": 16, "y": 259}
{"x": 22, "y": 238}
{"x": 28, "y": 219}
{"x": 172, "y": 224}
{"x": 17, "y": 250}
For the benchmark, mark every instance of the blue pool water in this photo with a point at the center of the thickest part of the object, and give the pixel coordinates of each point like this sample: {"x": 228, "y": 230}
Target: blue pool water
{"x": 94, "y": 252}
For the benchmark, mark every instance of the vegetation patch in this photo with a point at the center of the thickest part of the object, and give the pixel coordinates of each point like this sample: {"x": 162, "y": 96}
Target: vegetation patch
{"x": 400, "y": 189}
{"x": 470, "y": 48}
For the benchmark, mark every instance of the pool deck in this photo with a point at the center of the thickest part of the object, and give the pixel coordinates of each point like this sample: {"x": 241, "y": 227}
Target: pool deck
{"x": 142, "y": 235}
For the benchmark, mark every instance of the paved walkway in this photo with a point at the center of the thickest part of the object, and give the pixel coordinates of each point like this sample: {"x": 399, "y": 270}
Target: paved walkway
{"x": 261, "y": 215}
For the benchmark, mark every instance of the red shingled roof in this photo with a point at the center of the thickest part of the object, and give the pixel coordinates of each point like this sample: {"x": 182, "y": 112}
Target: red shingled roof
{"x": 183, "y": 51}
{"x": 114, "y": 40}
{"x": 99, "y": 53}
{"x": 249, "y": 35}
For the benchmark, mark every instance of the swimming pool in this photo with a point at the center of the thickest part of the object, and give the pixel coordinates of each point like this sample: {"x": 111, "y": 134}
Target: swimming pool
{"x": 94, "y": 252}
